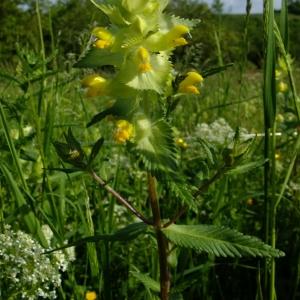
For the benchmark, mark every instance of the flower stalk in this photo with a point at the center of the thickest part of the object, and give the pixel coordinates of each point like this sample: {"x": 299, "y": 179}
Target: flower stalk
{"x": 162, "y": 242}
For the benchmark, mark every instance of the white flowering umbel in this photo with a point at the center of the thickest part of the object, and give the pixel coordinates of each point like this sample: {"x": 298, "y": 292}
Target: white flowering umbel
{"x": 219, "y": 132}
{"x": 25, "y": 272}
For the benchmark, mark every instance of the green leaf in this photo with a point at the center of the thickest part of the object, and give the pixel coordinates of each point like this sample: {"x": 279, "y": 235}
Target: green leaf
{"x": 219, "y": 241}
{"x": 95, "y": 150}
{"x": 121, "y": 108}
{"x": 95, "y": 57}
{"x": 216, "y": 70}
{"x": 147, "y": 281}
{"x": 71, "y": 152}
{"x": 31, "y": 221}
{"x": 183, "y": 193}
{"x": 246, "y": 167}
{"x": 125, "y": 234}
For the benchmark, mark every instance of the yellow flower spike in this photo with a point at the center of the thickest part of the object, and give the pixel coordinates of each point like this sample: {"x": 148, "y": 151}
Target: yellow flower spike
{"x": 95, "y": 84}
{"x": 124, "y": 131}
{"x": 282, "y": 87}
{"x": 90, "y": 295}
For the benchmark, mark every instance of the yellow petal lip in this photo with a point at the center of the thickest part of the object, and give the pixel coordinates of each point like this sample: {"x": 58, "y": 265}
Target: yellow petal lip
{"x": 189, "y": 89}
{"x": 92, "y": 80}
{"x": 101, "y": 44}
{"x": 95, "y": 84}
{"x": 102, "y": 33}
{"x": 180, "y": 42}
{"x": 143, "y": 54}
{"x": 145, "y": 67}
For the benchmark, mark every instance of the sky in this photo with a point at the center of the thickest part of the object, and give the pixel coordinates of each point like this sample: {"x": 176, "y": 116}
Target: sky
{"x": 239, "y": 6}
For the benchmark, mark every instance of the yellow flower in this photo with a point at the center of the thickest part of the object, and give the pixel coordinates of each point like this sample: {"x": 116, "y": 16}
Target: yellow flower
{"x": 90, "y": 295}
{"x": 143, "y": 57}
{"x": 104, "y": 38}
{"x": 95, "y": 84}
{"x": 282, "y": 87}
{"x": 187, "y": 85}
{"x": 181, "y": 143}
{"x": 175, "y": 35}
{"x": 277, "y": 156}
{"x": 124, "y": 131}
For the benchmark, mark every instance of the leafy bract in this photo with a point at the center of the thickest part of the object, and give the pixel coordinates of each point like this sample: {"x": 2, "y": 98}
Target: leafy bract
{"x": 219, "y": 241}
{"x": 154, "y": 143}
{"x": 154, "y": 79}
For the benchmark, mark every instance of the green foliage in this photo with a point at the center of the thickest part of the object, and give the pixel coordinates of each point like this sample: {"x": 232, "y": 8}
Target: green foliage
{"x": 218, "y": 241}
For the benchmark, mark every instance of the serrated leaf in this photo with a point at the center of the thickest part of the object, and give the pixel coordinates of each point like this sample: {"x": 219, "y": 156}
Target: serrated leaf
{"x": 183, "y": 193}
{"x": 154, "y": 79}
{"x": 154, "y": 143}
{"x": 147, "y": 281}
{"x": 96, "y": 57}
{"x": 219, "y": 241}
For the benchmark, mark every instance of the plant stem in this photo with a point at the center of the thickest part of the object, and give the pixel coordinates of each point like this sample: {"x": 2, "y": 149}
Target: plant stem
{"x": 119, "y": 198}
{"x": 162, "y": 242}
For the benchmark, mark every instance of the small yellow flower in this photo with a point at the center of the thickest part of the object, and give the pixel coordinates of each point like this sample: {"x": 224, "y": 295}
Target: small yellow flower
{"x": 187, "y": 85}
{"x": 104, "y": 37}
{"x": 250, "y": 201}
{"x": 143, "y": 57}
{"x": 282, "y": 87}
{"x": 180, "y": 42}
{"x": 124, "y": 131}
{"x": 280, "y": 118}
{"x": 95, "y": 84}
{"x": 73, "y": 154}
{"x": 181, "y": 143}
{"x": 277, "y": 156}
{"x": 90, "y": 295}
